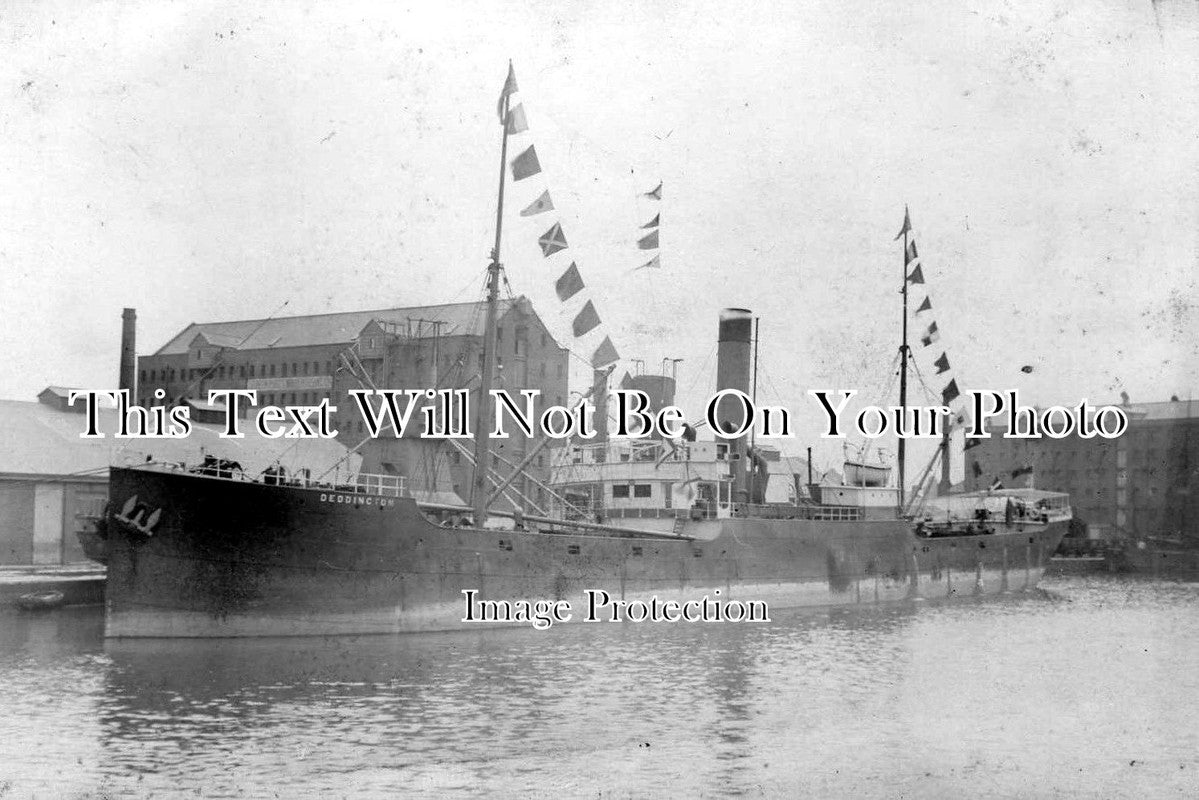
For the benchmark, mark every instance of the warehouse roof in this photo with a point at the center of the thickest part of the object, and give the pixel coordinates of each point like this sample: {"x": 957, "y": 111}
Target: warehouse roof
{"x": 459, "y": 319}
{"x": 38, "y": 439}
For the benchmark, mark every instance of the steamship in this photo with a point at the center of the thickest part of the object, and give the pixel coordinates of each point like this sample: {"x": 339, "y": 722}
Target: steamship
{"x": 209, "y": 551}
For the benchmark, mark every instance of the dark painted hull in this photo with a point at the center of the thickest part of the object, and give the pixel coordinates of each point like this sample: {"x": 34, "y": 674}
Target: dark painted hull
{"x": 233, "y": 558}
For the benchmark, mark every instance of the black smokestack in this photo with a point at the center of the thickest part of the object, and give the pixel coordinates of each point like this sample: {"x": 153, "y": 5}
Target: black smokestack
{"x": 734, "y": 360}
{"x": 129, "y": 352}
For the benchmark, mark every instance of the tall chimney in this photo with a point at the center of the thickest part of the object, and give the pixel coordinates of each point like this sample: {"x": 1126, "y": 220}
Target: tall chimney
{"x": 733, "y": 363}
{"x": 129, "y": 352}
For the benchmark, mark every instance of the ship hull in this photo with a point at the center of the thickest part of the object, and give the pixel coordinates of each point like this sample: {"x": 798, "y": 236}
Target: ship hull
{"x": 235, "y": 558}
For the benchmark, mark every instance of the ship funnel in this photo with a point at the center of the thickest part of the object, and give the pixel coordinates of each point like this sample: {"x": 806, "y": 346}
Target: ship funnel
{"x": 128, "y": 376}
{"x": 734, "y": 360}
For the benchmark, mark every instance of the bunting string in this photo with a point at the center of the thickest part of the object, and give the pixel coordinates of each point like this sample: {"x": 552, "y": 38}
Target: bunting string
{"x": 587, "y": 326}
{"x": 649, "y": 241}
{"x": 914, "y": 276}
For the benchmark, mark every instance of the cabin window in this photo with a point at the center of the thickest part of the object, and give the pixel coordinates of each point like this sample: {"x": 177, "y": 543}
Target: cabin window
{"x": 620, "y": 490}
{"x": 272, "y": 370}
{"x": 220, "y": 372}
{"x": 576, "y": 455}
{"x": 573, "y": 549}
{"x": 722, "y": 452}
{"x": 636, "y": 550}
{"x": 329, "y": 367}
{"x": 294, "y": 371}
{"x": 643, "y": 490}
{"x": 305, "y": 367}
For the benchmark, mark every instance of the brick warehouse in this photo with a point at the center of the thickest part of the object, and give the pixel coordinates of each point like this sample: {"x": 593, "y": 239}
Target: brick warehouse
{"x": 1141, "y": 485}
{"x": 300, "y": 360}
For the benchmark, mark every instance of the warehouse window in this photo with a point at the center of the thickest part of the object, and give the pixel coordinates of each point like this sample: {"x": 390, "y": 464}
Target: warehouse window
{"x": 642, "y": 490}
{"x": 620, "y": 490}
{"x": 272, "y": 370}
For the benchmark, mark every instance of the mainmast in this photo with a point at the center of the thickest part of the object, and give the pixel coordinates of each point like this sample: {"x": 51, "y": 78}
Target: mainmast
{"x": 487, "y": 378}
{"x": 903, "y": 350}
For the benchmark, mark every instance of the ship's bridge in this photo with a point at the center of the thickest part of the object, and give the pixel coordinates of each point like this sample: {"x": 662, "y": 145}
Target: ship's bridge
{"x": 645, "y": 477}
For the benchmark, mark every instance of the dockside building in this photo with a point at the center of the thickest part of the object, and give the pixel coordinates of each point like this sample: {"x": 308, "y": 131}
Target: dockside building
{"x": 1142, "y": 485}
{"x": 303, "y": 359}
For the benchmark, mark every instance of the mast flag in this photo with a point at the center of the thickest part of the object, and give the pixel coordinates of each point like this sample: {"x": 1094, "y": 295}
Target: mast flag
{"x": 656, "y": 193}
{"x": 525, "y": 164}
{"x": 649, "y": 242}
{"x": 907, "y": 223}
{"x": 569, "y": 284}
{"x": 508, "y": 90}
{"x": 552, "y": 241}
{"x": 543, "y": 203}
{"x": 912, "y": 255}
{"x": 653, "y": 223}
{"x": 586, "y": 320}
{"x": 942, "y": 364}
{"x": 653, "y": 263}
{"x": 927, "y": 305}
{"x": 950, "y": 392}
{"x": 917, "y": 276}
{"x": 605, "y": 354}
{"x": 517, "y": 123}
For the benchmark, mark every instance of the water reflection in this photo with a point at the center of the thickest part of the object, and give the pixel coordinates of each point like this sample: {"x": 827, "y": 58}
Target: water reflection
{"x": 988, "y": 698}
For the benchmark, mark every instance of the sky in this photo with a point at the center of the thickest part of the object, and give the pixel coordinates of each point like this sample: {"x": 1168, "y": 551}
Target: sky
{"x": 204, "y": 162}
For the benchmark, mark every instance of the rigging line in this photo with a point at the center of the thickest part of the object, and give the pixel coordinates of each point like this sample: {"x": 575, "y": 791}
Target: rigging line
{"x": 864, "y": 448}
{"x": 929, "y": 394}
{"x": 777, "y": 396}
{"x": 702, "y": 368}
{"x": 218, "y": 360}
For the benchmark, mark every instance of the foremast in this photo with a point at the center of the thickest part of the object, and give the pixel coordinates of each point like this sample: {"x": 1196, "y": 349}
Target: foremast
{"x": 904, "y": 350}
{"x": 479, "y": 493}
